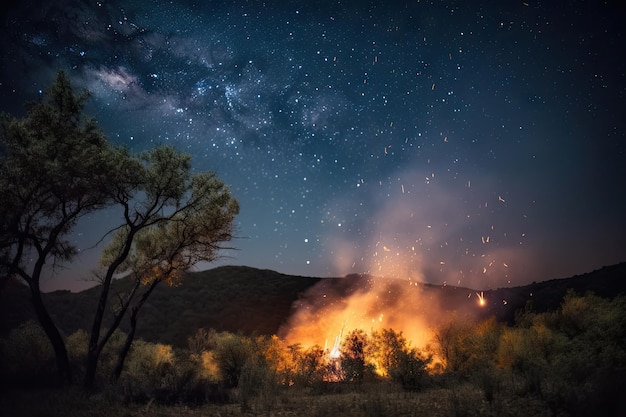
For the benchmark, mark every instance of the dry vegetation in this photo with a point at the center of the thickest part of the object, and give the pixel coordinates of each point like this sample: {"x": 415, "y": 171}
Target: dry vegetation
{"x": 571, "y": 362}
{"x": 462, "y": 400}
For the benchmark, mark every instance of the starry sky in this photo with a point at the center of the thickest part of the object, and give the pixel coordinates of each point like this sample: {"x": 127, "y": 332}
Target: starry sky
{"x": 473, "y": 143}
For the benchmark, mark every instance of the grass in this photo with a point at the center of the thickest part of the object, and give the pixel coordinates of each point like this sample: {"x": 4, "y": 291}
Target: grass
{"x": 369, "y": 401}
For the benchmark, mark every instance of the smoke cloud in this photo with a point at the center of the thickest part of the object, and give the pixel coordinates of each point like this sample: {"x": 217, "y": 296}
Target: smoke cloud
{"x": 414, "y": 241}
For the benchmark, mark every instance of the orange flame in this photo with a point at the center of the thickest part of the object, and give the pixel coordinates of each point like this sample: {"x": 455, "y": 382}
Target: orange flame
{"x": 372, "y": 304}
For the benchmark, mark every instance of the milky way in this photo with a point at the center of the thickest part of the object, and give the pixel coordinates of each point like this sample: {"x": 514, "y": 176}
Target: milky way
{"x": 472, "y": 143}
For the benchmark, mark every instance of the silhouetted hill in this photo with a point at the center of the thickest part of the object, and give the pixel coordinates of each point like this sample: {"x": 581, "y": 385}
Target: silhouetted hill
{"x": 229, "y": 298}
{"x": 254, "y": 301}
{"x": 607, "y": 282}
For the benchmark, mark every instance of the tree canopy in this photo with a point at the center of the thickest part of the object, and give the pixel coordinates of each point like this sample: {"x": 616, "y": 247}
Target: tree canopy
{"x": 56, "y": 166}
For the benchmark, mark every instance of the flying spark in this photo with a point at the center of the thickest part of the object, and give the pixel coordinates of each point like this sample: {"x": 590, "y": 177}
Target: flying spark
{"x": 481, "y": 299}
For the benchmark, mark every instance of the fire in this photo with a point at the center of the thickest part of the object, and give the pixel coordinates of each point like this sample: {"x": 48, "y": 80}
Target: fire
{"x": 366, "y": 303}
{"x": 335, "y": 353}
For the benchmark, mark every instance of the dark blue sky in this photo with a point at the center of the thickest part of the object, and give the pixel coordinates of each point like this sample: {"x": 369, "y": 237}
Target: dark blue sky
{"x": 473, "y": 143}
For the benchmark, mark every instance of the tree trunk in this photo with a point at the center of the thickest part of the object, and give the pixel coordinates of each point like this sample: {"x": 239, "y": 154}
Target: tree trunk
{"x": 58, "y": 344}
{"x": 127, "y": 344}
{"x": 133, "y": 327}
{"x": 95, "y": 345}
{"x": 93, "y": 352}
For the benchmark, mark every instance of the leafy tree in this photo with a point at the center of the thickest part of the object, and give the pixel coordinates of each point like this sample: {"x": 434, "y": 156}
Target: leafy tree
{"x": 262, "y": 374}
{"x": 24, "y": 354}
{"x": 454, "y": 340}
{"x": 353, "y": 360}
{"x": 394, "y": 358}
{"x": 410, "y": 370}
{"x": 572, "y": 358}
{"x": 276, "y": 355}
{"x": 231, "y": 353}
{"x": 384, "y": 349}
{"x": 172, "y": 220}
{"x": 309, "y": 365}
{"x": 55, "y": 167}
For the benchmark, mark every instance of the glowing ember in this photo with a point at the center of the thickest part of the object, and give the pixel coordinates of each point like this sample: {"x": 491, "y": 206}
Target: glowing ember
{"x": 481, "y": 299}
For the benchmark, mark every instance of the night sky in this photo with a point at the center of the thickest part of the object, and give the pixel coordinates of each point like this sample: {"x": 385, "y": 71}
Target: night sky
{"x": 471, "y": 143}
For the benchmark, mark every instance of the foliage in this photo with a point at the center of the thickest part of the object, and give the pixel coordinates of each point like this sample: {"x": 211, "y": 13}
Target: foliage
{"x": 570, "y": 358}
{"x": 76, "y": 344}
{"x": 27, "y": 357}
{"x": 231, "y": 353}
{"x": 172, "y": 220}
{"x": 353, "y": 358}
{"x": 393, "y": 357}
{"x": 569, "y": 362}
{"x": 310, "y": 366}
{"x": 56, "y": 166}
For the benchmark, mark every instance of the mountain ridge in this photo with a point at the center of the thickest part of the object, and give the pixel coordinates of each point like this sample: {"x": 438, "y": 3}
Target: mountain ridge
{"x": 243, "y": 299}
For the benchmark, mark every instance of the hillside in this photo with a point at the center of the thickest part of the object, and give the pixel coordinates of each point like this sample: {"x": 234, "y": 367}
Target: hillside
{"x": 502, "y": 303}
{"x": 229, "y": 298}
{"x": 254, "y": 301}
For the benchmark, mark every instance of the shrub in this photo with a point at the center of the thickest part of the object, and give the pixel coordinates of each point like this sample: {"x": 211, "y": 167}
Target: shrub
{"x": 390, "y": 353}
{"x": 231, "y": 352}
{"x": 26, "y": 357}
{"x": 77, "y": 344}
{"x": 353, "y": 359}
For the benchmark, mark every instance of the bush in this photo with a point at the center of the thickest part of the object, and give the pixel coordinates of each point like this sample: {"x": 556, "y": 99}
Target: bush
{"x": 231, "y": 353}
{"x": 77, "y": 344}
{"x": 353, "y": 359}
{"x": 566, "y": 357}
{"x": 390, "y": 353}
{"x": 148, "y": 373}
{"x": 410, "y": 370}
{"x": 27, "y": 357}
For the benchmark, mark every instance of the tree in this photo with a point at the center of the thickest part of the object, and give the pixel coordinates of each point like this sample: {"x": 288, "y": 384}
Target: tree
{"x": 55, "y": 167}
{"x": 410, "y": 370}
{"x": 384, "y": 349}
{"x": 452, "y": 343}
{"x": 172, "y": 220}
{"x": 309, "y": 365}
{"x": 353, "y": 362}
{"x": 396, "y": 359}
{"x": 231, "y": 353}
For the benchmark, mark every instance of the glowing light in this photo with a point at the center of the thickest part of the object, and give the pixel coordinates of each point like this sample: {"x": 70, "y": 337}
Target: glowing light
{"x": 481, "y": 299}
{"x": 378, "y": 304}
{"x": 334, "y": 352}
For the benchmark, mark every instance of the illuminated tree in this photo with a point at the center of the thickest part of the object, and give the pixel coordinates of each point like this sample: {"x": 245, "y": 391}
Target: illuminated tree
{"x": 353, "y": 361}
{"x": 231, "y": 353}
{"x": 172, "y": 220}
{"x": 384, "y": 349}
{"x": 452, "y": 342}
{"x": 584, "y": 341}
{"x": 396, "y": 359}
{"x": 309, "y": 365}
{"x": 56, "y": 166}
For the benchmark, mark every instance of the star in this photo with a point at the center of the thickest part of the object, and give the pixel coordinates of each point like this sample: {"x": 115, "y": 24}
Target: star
{"x": 477, "y": 145}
